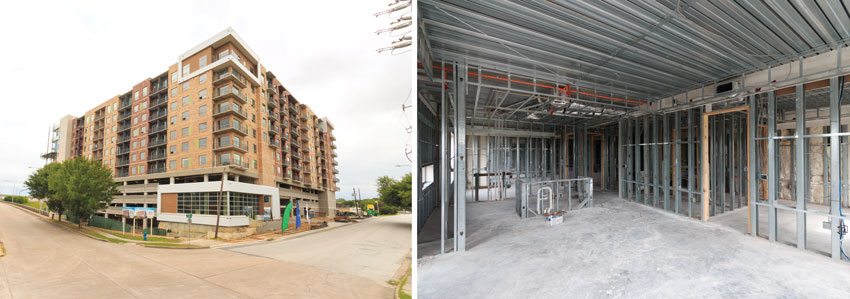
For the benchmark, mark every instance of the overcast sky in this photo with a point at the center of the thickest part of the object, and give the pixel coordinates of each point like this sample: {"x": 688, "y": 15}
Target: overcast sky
{"x": 61, "y": 58}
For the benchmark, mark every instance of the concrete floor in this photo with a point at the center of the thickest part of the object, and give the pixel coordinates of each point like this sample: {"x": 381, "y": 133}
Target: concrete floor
{"x": 46, "y": 261}
{"x": 374, "y": 249}
{"x": 624, "y": 250}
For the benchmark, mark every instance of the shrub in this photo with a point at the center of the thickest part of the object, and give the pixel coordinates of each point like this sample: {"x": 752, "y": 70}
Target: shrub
{"x": 16, "y": 199}
{"x": 389, "y": 210}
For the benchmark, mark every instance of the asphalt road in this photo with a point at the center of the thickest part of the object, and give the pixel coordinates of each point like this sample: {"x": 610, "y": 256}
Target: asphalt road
{"x": 373, "y": 249}
{"x": 47, "y": 261}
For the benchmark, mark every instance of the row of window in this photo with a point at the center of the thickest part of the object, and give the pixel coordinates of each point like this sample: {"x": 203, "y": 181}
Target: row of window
{"x": 206, "y": 203}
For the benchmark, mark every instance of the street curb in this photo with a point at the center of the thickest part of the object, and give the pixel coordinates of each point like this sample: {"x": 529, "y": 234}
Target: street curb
{"x": 282, "y": 238}
{"x": 167, "y": 247}
{"x": 408, "y": 273}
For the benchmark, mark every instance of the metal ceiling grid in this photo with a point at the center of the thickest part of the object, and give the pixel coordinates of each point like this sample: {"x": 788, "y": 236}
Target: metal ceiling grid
{"x": 642, "y": 50}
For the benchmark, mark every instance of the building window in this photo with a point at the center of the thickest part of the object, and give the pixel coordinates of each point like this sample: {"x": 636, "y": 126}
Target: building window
{"x": 141, "y": 169}
{"x": 145, "y": 91}
{"x": 184, "y": 146}
{"x": 136, "y": 95}
{"x": 174, "y": 106}
{"x": 144, "y": 105}
{"x": 144, "y": 130}
{"x": 142, "y": 156}
{"x": 144, "y": 142}
{"x": 173, "y": 135}
{"x": 184, "y": 163}
{"x": 136, "y": 108}
{"x": 185, "y": 131}
{"x": 202, "y": 127}
{"x": 185, "y": 101}
{"x": 185, "y": 85}
{"x": 144, "y": 117}
{"x": 172, "y": 164}
{"x": 135, "y": 132}
{"x": 202, "y": 94}
{"x": 174, "y": 77}
{"x": 202, "y": 110}
{"x": 202, "y": 78}
{"x": 185, "y": 70}
{"x": 172, "y": 149}
{"x": 135, "y": 120}
{"x": 202, "y": 62}
{"x": 174, "y": 92}
{"x": 185, "y": 115}
{"x": 133, "y": 158}
{"x": 202, "y": 160}
{"x": 135, "y": 144}
{"x": 202, "y": 143}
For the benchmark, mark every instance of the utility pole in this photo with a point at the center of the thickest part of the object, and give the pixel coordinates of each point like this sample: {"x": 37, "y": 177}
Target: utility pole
{"x": 220, "y": 190}
{"x": 356, "y": 207}
{"x": 361, "y": 198}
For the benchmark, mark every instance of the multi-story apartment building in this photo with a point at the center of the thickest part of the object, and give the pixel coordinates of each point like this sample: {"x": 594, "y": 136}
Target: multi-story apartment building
{"x": 216, "y": 113}
{"x": 59, "y": 141}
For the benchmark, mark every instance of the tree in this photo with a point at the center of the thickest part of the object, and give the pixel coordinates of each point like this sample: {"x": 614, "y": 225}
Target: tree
{"x": 83, "y": 186}
{"x": 38, "y": 185}
{"x": 395, "y": 193}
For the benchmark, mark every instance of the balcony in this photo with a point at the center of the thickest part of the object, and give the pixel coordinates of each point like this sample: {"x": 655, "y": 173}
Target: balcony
{"x": 242, "y": 147}
{"x": 333, "y": 145}
{"x": 295, "y": 133}
{"x": 308, "y": 181}
{"x": 229, "y": 93}
{"x": 271, "y": 88}
{"x": 98, "y": 137}
{"x": 97, "y": 147}
{"x": 161, "y": 101}
{"x": 125, "y": 103}
{"x": 274, "y": 117}
{"x": 294, "y": 142}
{"x": 336, "y": 171}
{"x": 273, "y": 102}
{"x": 158, "y": 128}
{"x": 296, "y": 167}
{"x": 97, "y": 157}
{"x": 122, "y": 162}
{"x": 99, "y": 117}
{"x": 157, "y": 141}
{"x": 333, "y": 138}
{"x": 229, "y": 76}
{"x": 243, "y": 164}
{"x": 296, "y": 155}
{"x": 123, "y": 150}
{"x": 156, "y": 169}
{"x": 122, "y": 115}
{"x": 124, "y": 138}
{"x": 122, "y": 173}
{"x": 336, "y": 180}
{"x": 335, "y": 162}
{"x": 308, "y": 170}
{"x": 296, "y": 178}
{"x": 286, "y": 162}
{"x": 274, "y": 130}
{"x": 98, "y": 127}
{"x": 155, "y": 88}
{"x": 124, "y": 127}
{"x": 275, "y": 143}
{"x": 229, "y": 127}
{"x": 334, "y": 154}
{"x": 157, "y": 155}
{"x": 230, "y": 110}
{"x": 158, "y": 114}
{"x": 304, "y": 116}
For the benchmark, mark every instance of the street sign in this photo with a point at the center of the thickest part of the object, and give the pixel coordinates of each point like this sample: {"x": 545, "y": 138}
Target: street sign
{"x": 189, "y": 216}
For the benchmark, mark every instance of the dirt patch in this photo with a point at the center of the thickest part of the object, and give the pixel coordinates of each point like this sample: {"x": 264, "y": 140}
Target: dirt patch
{"x": 2, "y": 250}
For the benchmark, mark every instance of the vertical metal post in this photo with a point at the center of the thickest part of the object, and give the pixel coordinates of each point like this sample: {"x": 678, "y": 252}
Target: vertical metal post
{"x": 752, "y": 169}
{"x": 722, "y": 172}
{"x": 799, "y": 143}
{"x": 460, "y": 161}
{"x": 834, "y": 167}
{"x": 646, "y": 160}
{"x": 691, "y": 164}
{"x": 772, "y": 172}
{"x": 677, "y": 176}
{"x": 656, "y": 177}
{"x": 445, "y": 147}
{"x": 665, "y": 173}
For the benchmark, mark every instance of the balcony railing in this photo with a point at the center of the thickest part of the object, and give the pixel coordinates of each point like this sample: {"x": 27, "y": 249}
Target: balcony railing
{"x": 229, "y": 93}
{"x": 230, "y": 109}
{"x": 122, "y": 162}
{"x": 124, "y": 138}
{"x": 159, "y": 101}
{"x": 295, "y": 133}
{"x": 274, "y": 117}
{"x": 286, "y": 162}
{"x": 156, "y": 169}
{"x": 123, "y": 115}
{"x": 275, "y": 130}
{"x": 159, "y": 87}
{"x": 275, "y": 143}
{"x": 229, "y": 75}
{"x": 336, "y": 171}
{"x": 157, "y": 155}
{"x": 296, "y": 178}
{"x": 122, "y": 173}
{"x": 157, "y": 141}
{"x": 124, "y": 126}
{"x": 157, "y": 128}
{"x": 296, "y": 155}
{"x": 123, "y": 150}
{"x": 230, "y": 127}
{"x": 243, "y": 146}
{"x": 296, "y": 166}
{"x": 243, "y": 164}
{"x": 158, "y": 114}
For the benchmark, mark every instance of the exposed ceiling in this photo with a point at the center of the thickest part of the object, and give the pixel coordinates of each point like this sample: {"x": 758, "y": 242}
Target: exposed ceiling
{"x": 617, "y": 54}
